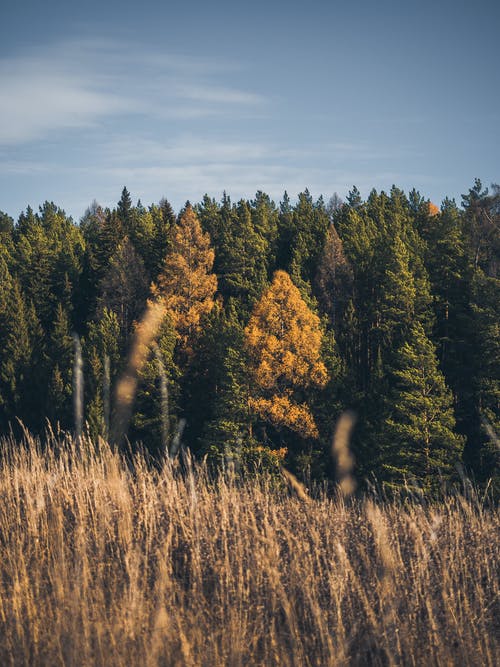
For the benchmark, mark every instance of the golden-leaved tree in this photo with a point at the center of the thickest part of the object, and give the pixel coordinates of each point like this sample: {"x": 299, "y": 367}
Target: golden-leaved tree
{"x": 283, "y": 341}
{"x": 433, "y": 209}
{"x": 186, "y": 283}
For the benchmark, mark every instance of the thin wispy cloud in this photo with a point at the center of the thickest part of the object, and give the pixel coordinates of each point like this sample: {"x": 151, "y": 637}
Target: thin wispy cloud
{"x": 218, "y": 95}
{"x": 79, "y": 84}
{"x": 42, "y": 98}
{"x": 188, "y": 148}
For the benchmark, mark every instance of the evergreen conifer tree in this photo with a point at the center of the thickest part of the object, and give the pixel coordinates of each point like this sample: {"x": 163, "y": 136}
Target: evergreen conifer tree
{"x": 156, "y": 404}
{"x": 124, "y": 207}
{"x": 59, "y": 399}
{"x": 164, "y": 220}
{"x": 22, "y": 363}
{"x": 124, "y": 288}
{"x": 101, "y": 347}
{"x": 419, "y": 440}
{"x": 227, "y": 431}
{"x": 243, "y": 259}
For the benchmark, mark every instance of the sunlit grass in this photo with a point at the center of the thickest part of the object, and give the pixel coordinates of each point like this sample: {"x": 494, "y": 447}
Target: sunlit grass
{"x": 108, "y": 562}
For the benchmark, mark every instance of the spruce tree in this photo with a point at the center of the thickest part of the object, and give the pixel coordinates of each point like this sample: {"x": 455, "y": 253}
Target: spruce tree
{"x": 310, "y": 225}
{"x": 124, "y": 288}
{"x": 164, "y": 220}
{"x": 478, "y": 394}
{"x": 396, "y": 308}
{"x": 141, "y": 234}
{"x": 156, "y": 405}
{"x": 6, "y": 233}
{"x": 419, "y": 441}
{"x": 101, "y": 348}
{"x": 227, "y": 431}
{"x": 482, "y": 227}
{"x": 22, "y": 362}
{"x": 34, "y": 263}
{"x": 59, "y": 399}
{"x": 209, "y": 214}
{"x": 265, "y": 222}
{"x": 124, "y": 207}
{"x": 354, "y": 199}
{"x": 482, "y": 452}
{"x": 242, "y": 259}
{"x": 102, "y": 242}
{"x": 285, "y": 233}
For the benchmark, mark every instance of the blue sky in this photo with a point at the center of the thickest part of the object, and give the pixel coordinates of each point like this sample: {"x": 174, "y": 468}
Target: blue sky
{"x": 177, "y": 99}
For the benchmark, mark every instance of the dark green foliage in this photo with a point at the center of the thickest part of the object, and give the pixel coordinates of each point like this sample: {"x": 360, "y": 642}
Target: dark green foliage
{"x": 48, "y": 257}
{"x": 418, "y": 443}
{"x": 228, "y": 427}
{"x": 482, "y": 215}
{"x": 141, "y": 231}
{"x": 210, "y": 217}
{"x": 408, "y": 295}
{"x": 22, "y": 360}
{"x": 156, "y": 407}
{"x": 328, "y": 403}
{"x": 265, "y": 221}
{"x": 354, "y": 198}
{"x": 60, "y": 392}
{"x": 6, "y": 234}
{"x": 483, "y": 451}
{"x": 214, "y": 391}
{"x": 124, "y": 208}
{"x": 102, "y": 364}
{"x": 450, "y": 273}
{"x": 163, "y": 219}
{"x": 242, "y": 258}
{"x": 124, "y": 288}
{"x": 302, "y": 233}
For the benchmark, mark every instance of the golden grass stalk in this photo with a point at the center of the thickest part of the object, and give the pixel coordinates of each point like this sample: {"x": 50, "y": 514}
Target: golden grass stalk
{"x": 295, "y": 486}
{"x": 145, "y": 333}
{"x": 78, "y": 386}
{"x": 165, "y": 431}
{"x": 342, "y": 455}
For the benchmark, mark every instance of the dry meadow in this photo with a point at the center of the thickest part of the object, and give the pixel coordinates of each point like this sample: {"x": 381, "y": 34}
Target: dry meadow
{"x": 107, "y": 561}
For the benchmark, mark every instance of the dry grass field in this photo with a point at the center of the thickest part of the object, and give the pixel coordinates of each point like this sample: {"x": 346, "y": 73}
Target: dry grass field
{"x": 104, "y": 562}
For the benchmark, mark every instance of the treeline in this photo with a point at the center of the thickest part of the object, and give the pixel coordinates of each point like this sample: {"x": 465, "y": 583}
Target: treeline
{"x": 278, "y": 318}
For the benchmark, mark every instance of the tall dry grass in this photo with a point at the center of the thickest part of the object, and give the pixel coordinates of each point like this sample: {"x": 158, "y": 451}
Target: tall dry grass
{"x": 107, "y": 562}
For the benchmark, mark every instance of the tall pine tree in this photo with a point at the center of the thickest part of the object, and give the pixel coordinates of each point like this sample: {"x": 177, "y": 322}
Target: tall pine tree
{"x": 419, "y": 440}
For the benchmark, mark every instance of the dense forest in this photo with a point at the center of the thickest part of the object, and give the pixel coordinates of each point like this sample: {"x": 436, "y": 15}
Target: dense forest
{"x": 278, "y": 318}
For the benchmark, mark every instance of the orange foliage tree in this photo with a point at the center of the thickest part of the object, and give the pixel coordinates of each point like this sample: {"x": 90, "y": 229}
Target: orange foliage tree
{"x": 186, "y": 283}
{"x": 283, "y": 340}
{"x": 433, "y": 209}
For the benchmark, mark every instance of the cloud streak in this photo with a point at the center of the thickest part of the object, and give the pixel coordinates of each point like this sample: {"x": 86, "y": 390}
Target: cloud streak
{"x": 215, "y": 95}
{"x": 81, "y": 84}
{"x": 38, "y": 104}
